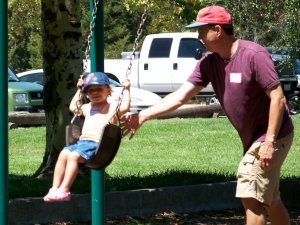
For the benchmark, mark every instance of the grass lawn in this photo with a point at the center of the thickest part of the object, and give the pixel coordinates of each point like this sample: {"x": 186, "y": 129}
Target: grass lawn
{"x": 162, "y": 153}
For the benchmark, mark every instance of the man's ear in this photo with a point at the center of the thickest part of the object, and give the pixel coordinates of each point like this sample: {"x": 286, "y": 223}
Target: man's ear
{"x": 217, "y": 28}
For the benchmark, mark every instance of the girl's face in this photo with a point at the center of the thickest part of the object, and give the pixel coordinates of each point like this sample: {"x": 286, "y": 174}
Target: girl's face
{"x": 98, "y": 93}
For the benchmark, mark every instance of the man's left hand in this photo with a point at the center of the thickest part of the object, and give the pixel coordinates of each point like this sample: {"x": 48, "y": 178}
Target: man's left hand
{"x": 266, "y": 155}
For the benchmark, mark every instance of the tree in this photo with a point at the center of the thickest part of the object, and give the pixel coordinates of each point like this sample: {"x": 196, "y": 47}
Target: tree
{"x": 258, "y": 21}
{"x": 163, "y": 16}
{"x": 270, "y": 22}
{"x": 62, "y": 63}
{"x": 291, "y": 34}
{"x": 120, "y": 27}
{"x": 116, "y": 32}
{"x": 24, "y": 35}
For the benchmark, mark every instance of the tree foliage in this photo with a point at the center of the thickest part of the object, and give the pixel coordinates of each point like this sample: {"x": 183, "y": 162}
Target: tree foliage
{"x": 258, "y": 20}
{"x": 291, "y": 33}
{"x": 116, "y": 27}
{"x": 115, "y": 19}
{"x": 271, "y": 23}
{"x": 24, "y": 34}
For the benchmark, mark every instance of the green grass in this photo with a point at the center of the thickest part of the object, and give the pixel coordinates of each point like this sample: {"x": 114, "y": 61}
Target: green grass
{"x": 162, "y": 153}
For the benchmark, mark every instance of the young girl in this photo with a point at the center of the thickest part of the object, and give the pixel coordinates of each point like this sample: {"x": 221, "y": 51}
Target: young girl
{"x": 97, "y": 114}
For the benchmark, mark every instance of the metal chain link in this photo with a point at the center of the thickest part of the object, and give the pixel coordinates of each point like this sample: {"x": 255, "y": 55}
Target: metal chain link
{"x": 87, "y": 51}
{"x": 138, "y": 37}
{"x": 90, "y": 36}
{"x": 135, "y": 47}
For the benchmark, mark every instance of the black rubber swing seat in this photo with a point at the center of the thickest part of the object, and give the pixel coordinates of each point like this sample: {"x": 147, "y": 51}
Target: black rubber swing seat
{"x": 107, "y": 148}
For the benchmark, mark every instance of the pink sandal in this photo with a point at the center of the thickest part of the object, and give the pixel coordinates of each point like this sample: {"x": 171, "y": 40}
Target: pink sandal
{"x": 50, "y": 192}
{"x": 57, "y": 195}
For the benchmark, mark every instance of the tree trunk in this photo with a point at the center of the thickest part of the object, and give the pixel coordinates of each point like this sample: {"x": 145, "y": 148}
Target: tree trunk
{"x": 62, "y": 63}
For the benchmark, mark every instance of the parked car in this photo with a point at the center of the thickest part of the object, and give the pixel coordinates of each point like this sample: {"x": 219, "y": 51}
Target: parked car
{"x": 287, "y": 75}
{"x": 298, "y": 77}
{"x": 33, "y": 76}
{"x": 23, "y": 96}
{"x": 140, "y": 98}
{"x": 297, "y": 72}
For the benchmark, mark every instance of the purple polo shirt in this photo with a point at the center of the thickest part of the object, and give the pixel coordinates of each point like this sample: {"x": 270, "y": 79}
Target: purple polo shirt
{"x": 240, "y": 86}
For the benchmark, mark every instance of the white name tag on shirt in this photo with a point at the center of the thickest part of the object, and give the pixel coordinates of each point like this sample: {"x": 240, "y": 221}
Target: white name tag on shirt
{"x": 236, "y": 78}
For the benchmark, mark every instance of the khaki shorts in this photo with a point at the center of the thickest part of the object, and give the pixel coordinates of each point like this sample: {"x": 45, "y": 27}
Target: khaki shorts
{"x": 253, "y": 182}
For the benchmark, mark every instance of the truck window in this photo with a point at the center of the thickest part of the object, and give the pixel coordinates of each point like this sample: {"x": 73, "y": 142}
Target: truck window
{"x": 160, "y": 48}
{"x": 188, "y": 46}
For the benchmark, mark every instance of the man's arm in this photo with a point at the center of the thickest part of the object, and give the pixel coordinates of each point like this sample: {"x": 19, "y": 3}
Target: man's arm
{"x": 277, "y": 105}
{"x": 171, "y": 102}
{"x": 166, "y": 105}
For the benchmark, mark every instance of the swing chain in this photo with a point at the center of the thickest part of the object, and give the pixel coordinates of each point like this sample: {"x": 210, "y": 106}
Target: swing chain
{"x": 87, "y": 52}
{"x": 135, "y": 47}
{"x": 138, "y": 37}
{"x": 90, "y": 36}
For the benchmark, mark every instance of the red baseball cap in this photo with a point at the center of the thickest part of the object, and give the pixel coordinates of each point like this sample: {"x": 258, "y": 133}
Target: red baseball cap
{"x": 212, "y": 15}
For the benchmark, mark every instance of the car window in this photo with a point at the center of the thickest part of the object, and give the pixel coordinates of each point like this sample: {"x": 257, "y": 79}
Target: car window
{"x": 160, "y": 48}
{"x": 297, "y": 66}
{"x": 188, "y": 47}
{"x": 34, "y": 78}
{"x": 282, "y": 62}
{"x": 11, "y": 76}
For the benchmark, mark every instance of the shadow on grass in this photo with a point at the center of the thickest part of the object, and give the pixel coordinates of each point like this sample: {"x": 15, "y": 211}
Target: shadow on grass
{"x": 25, "y": 186}
{"x": 168, "y": 178}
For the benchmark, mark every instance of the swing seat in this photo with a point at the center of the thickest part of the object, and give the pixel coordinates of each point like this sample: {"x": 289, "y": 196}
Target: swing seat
{"x": 72, "y": 134}
{"x": 107, "y": 148}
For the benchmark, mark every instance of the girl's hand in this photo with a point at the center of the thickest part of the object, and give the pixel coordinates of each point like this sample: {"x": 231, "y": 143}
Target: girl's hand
{"x": 126, "y": 84}
{"x": 80, "y": 83}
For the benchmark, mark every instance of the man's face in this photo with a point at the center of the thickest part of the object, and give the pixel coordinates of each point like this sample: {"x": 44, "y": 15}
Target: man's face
{"x": 207, "y": 35}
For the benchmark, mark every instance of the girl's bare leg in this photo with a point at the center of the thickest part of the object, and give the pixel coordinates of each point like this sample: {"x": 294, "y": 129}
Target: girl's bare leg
{"x": 60, "y": 166}
{"x": 71, "y": 171}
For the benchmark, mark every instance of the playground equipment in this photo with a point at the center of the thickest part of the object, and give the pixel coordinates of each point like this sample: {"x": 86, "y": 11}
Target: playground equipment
{"x": 3, "y": 115}
{"x": 97, "y": 64}
{"x": 97, "y": 33}
{"x": 112, "y": 134}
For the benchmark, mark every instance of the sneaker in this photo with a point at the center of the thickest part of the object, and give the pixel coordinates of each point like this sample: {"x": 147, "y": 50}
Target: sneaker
{"x": 57, "y": 195}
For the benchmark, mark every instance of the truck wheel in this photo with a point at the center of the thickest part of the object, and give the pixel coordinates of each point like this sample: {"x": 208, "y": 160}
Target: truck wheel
{"x": 293, "y": 102}
{"x": 213, "y": 101}
{"x": 113, "y": 77}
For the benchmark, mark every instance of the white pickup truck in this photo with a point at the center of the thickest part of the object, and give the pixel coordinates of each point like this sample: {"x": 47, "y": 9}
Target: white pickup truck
{"x": 163, "y": 64}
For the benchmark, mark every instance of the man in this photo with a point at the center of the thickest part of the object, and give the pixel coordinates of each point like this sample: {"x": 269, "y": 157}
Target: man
{"x": 248, "y": 88}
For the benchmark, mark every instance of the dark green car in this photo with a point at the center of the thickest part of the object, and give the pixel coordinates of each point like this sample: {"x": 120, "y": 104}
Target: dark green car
{"x": 24, "y": 96}
{"x": 287, "y": 74}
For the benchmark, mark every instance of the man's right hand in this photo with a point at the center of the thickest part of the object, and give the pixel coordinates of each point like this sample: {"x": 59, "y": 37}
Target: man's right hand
{"x": 130, "y": 123}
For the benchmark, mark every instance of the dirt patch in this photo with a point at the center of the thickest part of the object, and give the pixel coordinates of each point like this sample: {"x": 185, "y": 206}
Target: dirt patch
{"x": 226, "y": 217}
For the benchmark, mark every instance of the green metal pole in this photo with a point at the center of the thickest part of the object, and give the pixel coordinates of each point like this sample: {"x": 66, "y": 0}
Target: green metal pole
{"x": 97, "y": 64}
{"x": 3, "y": 115}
